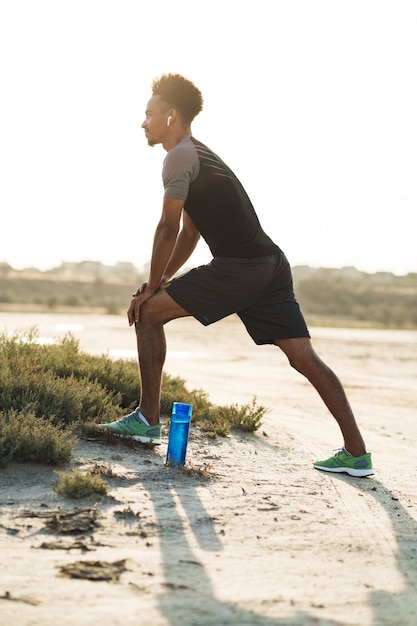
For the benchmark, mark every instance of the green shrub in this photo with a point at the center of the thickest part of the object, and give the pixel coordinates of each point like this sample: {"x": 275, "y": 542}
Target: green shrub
{"x": 25, "y": 437}
{"x": 247, "y": 417}
{"x": 213, "y": 420}
{"x": 220, "y": 420}
{"x": 48, "y": 392}
{"x": 78, "y": 485}
{"x": 117, "y": 377}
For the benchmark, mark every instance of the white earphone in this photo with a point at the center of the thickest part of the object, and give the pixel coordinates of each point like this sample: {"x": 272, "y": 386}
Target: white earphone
{"x": 169, "y": 120}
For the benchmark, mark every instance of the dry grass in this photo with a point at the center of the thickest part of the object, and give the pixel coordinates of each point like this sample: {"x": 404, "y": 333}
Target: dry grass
{"x": 78, "y": 485}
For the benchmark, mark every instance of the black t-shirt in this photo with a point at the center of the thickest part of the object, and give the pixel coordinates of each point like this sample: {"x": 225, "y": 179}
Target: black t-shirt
{"x": 215, "y": 201}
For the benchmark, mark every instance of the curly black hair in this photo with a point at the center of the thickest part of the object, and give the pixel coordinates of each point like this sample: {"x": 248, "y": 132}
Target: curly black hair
{"x": 180, "y": 93}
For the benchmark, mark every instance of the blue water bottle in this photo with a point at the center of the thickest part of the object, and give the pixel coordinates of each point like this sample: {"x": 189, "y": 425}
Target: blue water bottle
{"x": 178, "y": 433}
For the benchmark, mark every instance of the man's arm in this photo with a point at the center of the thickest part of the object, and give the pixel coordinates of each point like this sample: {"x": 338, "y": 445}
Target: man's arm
{"x": 165, "y": 240}
{"x": 163, "y": 245}
{"x": 184, "y": 246}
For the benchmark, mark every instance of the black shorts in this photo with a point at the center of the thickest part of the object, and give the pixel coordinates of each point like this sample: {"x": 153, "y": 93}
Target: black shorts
{"x": 259, "y": 291}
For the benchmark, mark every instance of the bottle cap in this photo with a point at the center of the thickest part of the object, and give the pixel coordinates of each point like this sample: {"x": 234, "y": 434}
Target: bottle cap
{"x": 181, "y": 408}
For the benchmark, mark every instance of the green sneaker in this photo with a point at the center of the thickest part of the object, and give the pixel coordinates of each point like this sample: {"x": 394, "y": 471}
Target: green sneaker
{"x": 133, "y": 426}
{"x": 342, "y": 461}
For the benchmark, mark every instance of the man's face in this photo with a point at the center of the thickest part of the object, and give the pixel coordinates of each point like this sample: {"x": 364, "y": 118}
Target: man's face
{"x": 155, "y": 124}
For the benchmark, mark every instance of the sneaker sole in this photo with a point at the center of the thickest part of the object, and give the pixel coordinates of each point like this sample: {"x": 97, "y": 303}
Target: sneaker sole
{"x": 153, "y": 440}
{"x": 156, "y": 441}
{"x": 359, "y": 473}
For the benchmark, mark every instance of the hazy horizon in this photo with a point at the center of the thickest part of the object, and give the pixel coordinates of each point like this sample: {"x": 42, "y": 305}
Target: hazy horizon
{"x": 144, "y": 267}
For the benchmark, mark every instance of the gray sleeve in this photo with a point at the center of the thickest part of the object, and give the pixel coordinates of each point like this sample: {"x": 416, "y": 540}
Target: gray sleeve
{"x": 181, "y": 167}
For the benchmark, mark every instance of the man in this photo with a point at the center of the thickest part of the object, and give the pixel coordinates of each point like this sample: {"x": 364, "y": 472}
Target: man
{"x": 249, "y": 274}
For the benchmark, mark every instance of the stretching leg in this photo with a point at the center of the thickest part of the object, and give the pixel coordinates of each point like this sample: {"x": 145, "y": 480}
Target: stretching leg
{"x": 305, "y": 360}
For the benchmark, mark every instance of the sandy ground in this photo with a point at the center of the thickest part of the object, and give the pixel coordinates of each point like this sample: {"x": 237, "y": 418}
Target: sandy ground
{"x": 264, "y": 539}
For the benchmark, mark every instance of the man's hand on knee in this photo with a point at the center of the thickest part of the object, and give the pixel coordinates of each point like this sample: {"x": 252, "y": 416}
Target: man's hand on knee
{"x": 143, "y": 294}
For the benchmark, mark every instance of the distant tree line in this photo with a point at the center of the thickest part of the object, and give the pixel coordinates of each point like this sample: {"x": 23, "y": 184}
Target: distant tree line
{"x": 52, "y": 293}
{"x": 380, "y": 299}
{"x": 327, "y": 296}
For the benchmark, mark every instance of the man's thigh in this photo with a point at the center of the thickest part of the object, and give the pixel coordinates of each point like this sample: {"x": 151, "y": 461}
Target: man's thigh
{"x": 227, "y": 285}
{"x": 161, "y": 308}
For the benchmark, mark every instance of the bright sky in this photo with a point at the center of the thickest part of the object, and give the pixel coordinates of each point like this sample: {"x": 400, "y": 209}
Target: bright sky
{"x": 311, "y": 102}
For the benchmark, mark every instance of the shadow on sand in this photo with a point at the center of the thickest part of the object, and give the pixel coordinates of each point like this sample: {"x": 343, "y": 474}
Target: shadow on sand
{"x": 189, "y": 599}
{"x": 399, "y": 608}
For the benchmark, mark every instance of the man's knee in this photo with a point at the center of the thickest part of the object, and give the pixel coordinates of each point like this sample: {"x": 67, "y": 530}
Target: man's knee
{"x": 159, "y": 310}
{"x": 149, "y": 314}
{"x": 299, "y": 352}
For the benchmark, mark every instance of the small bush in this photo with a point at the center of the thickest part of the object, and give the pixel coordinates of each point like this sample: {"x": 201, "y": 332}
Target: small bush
{"x": 247, "y": 417}
{"x": 78, "y": 485}
{"x": 220, "y": 420}
{"x": 25, "y": 437}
